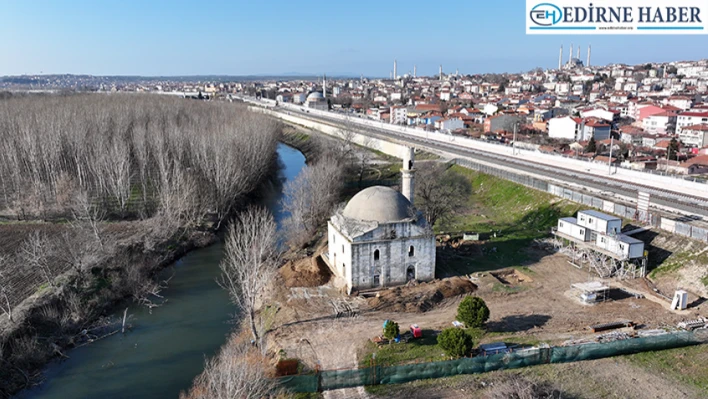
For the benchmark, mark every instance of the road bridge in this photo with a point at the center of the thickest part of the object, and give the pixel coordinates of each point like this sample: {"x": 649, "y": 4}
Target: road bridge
{"x": 667, "y": 193}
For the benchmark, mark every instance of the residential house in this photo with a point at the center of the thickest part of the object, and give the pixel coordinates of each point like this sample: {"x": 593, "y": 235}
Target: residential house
{"x": 596, "y": 128}
{"x": 620, "y": 97}
{"x": 564, "y": 128}
{"x": 503, "y": 122}
{"x": 490, "y": 109}
{"x": 649, "y": 140}
{"x": 631, "y": 135}
{"x": 696, "y": 165}
{"x": 599, "y": 113}
{"x": 695, "y": 135}
{"x": 284, "y": 98}
{"x": 399, "y": 115}
{"x": 662, "y": 123}
{"x": 690, "y": 119}
{"x": 299, "y": 98}
{"x": 683, "y": 102}
{"x": 578, "y": 129}
{"x": 449, "y": 124}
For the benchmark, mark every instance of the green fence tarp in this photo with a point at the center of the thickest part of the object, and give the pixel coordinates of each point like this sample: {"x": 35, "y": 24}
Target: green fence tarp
{"x": 336, "y": 379}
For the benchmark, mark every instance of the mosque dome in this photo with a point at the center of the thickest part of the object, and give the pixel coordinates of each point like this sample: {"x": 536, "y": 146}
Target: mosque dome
{"x": 378, "y": 204}
{"x": 315, "y": 96}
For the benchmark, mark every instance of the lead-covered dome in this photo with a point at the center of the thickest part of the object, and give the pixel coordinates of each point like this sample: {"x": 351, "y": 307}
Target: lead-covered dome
{"x": 378, "y": 204}
{"x": 315, "y": 96}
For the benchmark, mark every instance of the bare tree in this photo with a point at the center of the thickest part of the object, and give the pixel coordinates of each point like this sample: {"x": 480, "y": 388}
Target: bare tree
{"x": 238, "y": 371}
{"x": 440, "y": 192}
{"x": 310, "y": 198}
{"x": 131, "y": 155}
{"x": 364, "y": 158}
{"x": 35, "y": 252}
{"x": 346, "y": 134}
{"x": 75, "y": 249}
{"x": 91, "y": 215}
{"x": 250, "y": 263}
{"x": 5, "y": 288}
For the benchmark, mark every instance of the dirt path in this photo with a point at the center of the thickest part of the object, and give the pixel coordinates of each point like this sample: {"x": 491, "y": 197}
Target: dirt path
{"x": 538, "y": 307}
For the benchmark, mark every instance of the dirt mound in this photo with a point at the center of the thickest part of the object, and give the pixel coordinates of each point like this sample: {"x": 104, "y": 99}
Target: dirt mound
{"x": 305, "y": 272}
{"x": 420, "y": 297}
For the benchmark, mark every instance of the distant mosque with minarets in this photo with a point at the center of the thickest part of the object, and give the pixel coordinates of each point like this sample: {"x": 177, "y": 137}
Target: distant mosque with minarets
{"x": 573, "y": 62}
{"x": 379, "y": 239}
{"x": 317, "y": 100}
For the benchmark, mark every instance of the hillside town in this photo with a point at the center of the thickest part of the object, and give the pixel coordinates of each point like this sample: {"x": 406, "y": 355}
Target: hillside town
{"x": 652, "y": 116}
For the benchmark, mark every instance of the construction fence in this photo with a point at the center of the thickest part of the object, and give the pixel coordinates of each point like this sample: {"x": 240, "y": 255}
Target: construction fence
{"x": 681, "y": 226}
{"x": 337, "y": 379}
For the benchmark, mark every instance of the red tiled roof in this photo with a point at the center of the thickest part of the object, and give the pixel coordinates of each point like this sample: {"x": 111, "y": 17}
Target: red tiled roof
{"x": 671, "y": 108}
{"x": 700, "y": 114}
{"x": 701, "y": 127}
{"x": 593, "y": 123}
{"x": 699, "y": 160}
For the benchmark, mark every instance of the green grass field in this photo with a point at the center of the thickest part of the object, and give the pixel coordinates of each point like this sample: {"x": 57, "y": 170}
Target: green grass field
{"x": 517, "y": 214}
{"x": 687, "y": 365}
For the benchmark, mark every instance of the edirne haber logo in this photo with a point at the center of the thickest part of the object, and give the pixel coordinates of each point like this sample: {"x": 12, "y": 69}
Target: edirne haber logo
{"x": 613, "y": 17}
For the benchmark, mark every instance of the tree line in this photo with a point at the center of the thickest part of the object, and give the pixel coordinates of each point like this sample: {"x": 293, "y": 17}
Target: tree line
{"x": 87, "y": 159}
{"x": 129, "y": 156}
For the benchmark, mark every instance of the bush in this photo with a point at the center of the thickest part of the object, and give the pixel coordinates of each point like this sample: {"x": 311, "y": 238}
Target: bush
{"x": 473, "y": 312}
{"x": 455, "y": 342}
{"x": 518, "y": 387}
{"x": 391, "y": 330}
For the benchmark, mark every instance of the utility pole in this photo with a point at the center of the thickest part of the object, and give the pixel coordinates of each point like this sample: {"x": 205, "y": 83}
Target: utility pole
{"x": 609, "y": 162}
{"x": 513, "y": 145}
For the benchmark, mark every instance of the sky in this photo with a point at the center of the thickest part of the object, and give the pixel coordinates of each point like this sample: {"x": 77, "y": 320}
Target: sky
{"x": 261, "y": 37}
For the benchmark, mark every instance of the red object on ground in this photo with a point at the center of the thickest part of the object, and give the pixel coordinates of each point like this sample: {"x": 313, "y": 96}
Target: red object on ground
{"x": 416, "y": 331}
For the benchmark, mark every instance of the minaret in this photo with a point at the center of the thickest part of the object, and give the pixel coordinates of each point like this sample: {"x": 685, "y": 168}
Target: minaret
{"x": 415, "y": 70}
{"x": 560, "y": 58}
{"x": 324, "y": 86}
{"x": 408, "y": 173}
{"x": 440, "y": 72}
{"x": 588, "y": 55}
{"x": 570, "y": 58}
{"x": 578, "y": 57}
{"x": 395, "y": 69}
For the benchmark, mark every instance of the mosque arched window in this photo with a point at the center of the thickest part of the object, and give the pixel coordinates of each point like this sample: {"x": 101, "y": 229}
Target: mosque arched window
{"x": 411, "y": 251}
{"x": 376, "y": 254}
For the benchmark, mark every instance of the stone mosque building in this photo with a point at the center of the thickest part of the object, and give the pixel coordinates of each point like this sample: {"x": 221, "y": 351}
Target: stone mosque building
{"x": 379, "y": 239}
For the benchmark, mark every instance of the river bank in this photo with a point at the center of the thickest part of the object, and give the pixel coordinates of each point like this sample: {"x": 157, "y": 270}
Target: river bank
{"x": 47, "y": 325}
{"x": 35, "y": 338}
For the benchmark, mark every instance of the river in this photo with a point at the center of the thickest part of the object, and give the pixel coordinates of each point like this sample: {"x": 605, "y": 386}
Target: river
{"x": 167, "y": 347}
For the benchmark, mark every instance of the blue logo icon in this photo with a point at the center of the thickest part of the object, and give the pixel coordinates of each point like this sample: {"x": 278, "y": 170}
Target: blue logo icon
{"x": 546, "y": 14}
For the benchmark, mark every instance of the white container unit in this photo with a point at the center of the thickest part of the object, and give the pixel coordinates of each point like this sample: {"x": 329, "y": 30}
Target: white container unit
{"x": 570, "y": 227}
{"x": 680, "y": 301}
{"x": 622, "y": 246}
{"x": 600, "y": 222}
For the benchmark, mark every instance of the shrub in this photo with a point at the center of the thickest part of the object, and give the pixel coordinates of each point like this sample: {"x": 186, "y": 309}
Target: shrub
{"x": 473, "y": 312}
{"x": 518, "y": 387}
{"x": 391, "y": 330}
{"x": 455, "y": 342}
